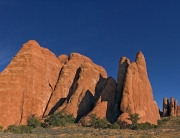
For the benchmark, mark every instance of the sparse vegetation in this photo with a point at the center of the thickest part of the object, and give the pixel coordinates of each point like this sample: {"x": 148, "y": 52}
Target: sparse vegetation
{"x": 33, "y": 122}
{"x": 96, "y": 122}
{"x": 19, "y": 129}
{"x": 58, "y": 119}
{"x": 170, "y": 128}
{"x": 115, "y": 126}
{"x": 135, "y": 125}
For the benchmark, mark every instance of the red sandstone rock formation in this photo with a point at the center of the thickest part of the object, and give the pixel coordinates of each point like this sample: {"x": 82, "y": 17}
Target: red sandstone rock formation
{"x": 38, "y": 83}
{"x": 85, "y": 92}
{"x": 137, "y": 96}
{"x": 170, "y": 109}
{"x": 178, "y": 110}
{"x": 122, "y": 70}
{"x": 27, "y": 83}
{"x": 104, "y": 105}
{"x": 166, "y": 110}
{"x": 78, "y": 74}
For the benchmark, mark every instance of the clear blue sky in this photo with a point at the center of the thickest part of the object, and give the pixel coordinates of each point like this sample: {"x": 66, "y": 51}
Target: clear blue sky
{"x": 103, "y": 30}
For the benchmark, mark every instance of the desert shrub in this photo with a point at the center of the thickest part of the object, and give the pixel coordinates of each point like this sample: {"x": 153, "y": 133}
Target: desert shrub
{"x": 18, "y": 129}
{"x": 145, "y": 126}
{"x": 163, "y": 121}
{"x": 25, "y": 129}
{"x": 115, "y": 126}
{"x": 1, "y": 128}
{"x": 134, "y": 119}
{"x": 5, "y": 130}
{"x": 33, "y": 122}
{"x": 135, "y": 125}
{"x": 15, "y": 129}
{"x": 124, "y": 125}
{"x": 96, "y": 122}
{"x": 58, "y": 119}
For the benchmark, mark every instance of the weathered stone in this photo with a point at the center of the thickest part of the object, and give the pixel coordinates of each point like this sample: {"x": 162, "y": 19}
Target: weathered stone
{"x": 166, "y": 110}
{"x": 67, "y": 82}
{"x": 104, "y": 105}
{"x": 178, "y": 110}
{"x": 27, "y": 83}
{"x": 124, "y": 118}
{"x": 122, "y": 70}
{"x": 137, "y": 96}
{"x": 172, "y": 107}
{"x": 86, "y": 91}
{"x": 175, "y": 107}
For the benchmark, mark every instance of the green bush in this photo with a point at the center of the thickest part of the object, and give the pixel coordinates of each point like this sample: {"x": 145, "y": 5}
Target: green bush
{"x": 135, "y": 125}
{"x": 58, "y": 119}
{"x": 145, "y": 126}
{"x": 134, "y": 118}
{"x": 98, "y": 123}
{"x": 33, "y": 122}
{"x": 18, "y": 129}
{"x": 15, "y": 129}
{"x": 25, "y": 129}
{"x": 1, "y": 128}
{"x": 163, "y": 121}
{"x": 115, "y": 126}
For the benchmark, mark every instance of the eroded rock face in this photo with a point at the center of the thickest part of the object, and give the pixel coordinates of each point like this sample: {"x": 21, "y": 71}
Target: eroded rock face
{"x": 137, "y": 96}
{"x": 122, "y": 70}
{"x": 166, "y": 110}
{"x": 124, "y": 119}
{"x": 36, "y": 82}
{"x": 27, "y": 83}
{"x": 104, "y": 105}
{"x": 173, "y": 107}
{"x": 178, "y": 110}
{"x": 77, "y": 72}
{"x": 85, "y": 92}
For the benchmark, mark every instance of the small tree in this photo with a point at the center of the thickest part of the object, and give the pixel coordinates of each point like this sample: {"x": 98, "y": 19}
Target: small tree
{"x": 134, "y": 119}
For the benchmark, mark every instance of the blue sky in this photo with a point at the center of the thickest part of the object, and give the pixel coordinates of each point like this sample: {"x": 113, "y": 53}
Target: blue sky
{"x": 103, "y": 30}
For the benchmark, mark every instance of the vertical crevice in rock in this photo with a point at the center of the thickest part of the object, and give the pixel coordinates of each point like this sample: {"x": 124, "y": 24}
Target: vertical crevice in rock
{"x": 52, "y": 90}
{"x": 122, "y": 70}
{"x": 88, "y": 101}
{"x": 74, "y": 85}
{"x": 166, "y": 110}
{"x": 22, "y": 106}
{"x": 70, "y": 93}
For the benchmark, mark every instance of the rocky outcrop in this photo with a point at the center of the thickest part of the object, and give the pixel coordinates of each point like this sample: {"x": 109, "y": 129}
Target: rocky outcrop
{"x": 137, "y": 96}
{"x": 104, "y": 105}
{"x": 86, "y": 91}
{"x": 178, "y": 110}
{"x": 27, "y": 83}
{"x": 76, "y": 84}
{"x": 170, "y": 109}
{"x": 166, "y": 109}
{"x": 122, "y": 70}
{"x": 37, "y": 83}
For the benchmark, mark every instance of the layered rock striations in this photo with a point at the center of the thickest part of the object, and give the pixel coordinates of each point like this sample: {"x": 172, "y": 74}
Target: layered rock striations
{"x": 137, "y": 96}
{"x": 37, "y": 83}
